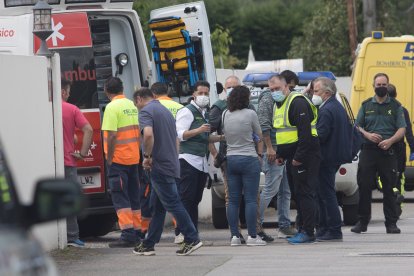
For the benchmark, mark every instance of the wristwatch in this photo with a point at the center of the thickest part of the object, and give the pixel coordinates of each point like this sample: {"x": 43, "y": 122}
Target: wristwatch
{"x": 148, "y": 156}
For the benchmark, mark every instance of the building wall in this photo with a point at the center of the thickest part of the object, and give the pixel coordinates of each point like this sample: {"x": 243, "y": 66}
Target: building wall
{"x": 27, "y": 129}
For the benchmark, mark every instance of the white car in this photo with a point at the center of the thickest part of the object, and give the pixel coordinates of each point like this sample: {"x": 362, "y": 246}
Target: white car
{"x": 345, "y": 184}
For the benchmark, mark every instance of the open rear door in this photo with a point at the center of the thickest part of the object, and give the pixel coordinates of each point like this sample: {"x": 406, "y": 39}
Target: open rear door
{"x": 191, "y": 20}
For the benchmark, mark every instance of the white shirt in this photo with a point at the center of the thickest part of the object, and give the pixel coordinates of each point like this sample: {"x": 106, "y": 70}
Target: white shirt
{"x": 184, "y": 119}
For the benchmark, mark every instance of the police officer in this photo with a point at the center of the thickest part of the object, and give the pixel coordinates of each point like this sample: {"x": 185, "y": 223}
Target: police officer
{"x": 381, "y": 121}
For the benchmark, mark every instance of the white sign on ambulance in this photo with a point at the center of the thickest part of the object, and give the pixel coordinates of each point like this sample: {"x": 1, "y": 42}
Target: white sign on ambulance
{"x": 8, "y": 32}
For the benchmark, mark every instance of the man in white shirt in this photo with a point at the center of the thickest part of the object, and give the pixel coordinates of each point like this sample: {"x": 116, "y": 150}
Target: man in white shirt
{"x": 193, "y": 132}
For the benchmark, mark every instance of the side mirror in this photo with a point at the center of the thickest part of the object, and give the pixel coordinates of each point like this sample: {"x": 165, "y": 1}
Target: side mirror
{"x": 219, "y": 87}
{"x": 55, "y": 199}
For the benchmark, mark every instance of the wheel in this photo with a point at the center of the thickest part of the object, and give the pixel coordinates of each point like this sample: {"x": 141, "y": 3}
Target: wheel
{"x": 350, "y": 214}
{"x": 97, "y": 225}
{"x": 218, "y": 207}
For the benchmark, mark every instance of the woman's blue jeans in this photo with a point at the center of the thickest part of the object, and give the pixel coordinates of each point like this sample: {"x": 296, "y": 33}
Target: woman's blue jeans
{"x": 243, "y": 177}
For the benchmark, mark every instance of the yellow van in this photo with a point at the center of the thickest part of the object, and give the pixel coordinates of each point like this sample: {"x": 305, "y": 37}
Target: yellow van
{"x": 395, "y": 57}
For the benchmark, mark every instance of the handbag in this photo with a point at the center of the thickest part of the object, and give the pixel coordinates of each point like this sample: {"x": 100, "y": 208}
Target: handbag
{"x": 220, "y": 157}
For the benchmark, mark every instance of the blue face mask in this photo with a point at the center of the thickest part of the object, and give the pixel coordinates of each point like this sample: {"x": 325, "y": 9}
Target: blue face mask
{"x": 278, "y": 96}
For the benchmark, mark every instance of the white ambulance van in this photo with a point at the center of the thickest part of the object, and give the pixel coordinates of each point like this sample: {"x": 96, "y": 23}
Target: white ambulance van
{"x": 100, "y": 38}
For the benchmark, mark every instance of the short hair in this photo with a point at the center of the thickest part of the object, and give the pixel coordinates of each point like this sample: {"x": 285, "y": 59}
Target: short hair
{"x": 381, "y": 75}
{"x": 289, "y": 76}
{"x": 326, "y": 84}
{"x": 392, "y": 90}
{"x": 159, "y": 88}
{"x": 232, "y": 78}
{"x": 201, "y": 83}
{"x": 277, "y": 77}
{"x": 143, "y": 92}
{"x": 113, "y": 85}
{"x": 64, "y": 84}
{"x": 239, "y": 98}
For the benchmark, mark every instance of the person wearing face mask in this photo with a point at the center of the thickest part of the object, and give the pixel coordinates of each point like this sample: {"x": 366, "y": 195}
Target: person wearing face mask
{"x": 381, "y": 121}
{"x": 215, "y": 115}
{"x": 294, "y": 130}
{"x": 276, "y": 178}
{"x": 332, "y": 128}
{"x": 193, "y": 132}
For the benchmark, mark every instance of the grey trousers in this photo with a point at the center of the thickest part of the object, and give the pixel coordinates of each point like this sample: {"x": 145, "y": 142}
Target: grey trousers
{"x": 72, "y": 227}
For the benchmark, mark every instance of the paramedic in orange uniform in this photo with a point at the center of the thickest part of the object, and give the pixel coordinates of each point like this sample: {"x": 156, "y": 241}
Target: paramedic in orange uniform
{"x": 121, "y": 146}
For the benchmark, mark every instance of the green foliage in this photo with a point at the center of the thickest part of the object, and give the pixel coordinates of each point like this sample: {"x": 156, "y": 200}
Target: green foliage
{"x": 325, "y": 43}
{"x": 221, "y": 41}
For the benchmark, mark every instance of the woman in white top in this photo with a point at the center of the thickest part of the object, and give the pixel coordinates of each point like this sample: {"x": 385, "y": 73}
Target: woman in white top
{"x": 243, "y": 165}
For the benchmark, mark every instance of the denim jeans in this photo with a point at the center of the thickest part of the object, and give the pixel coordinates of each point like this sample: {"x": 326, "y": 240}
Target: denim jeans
{"x": 243, "y": 176}
{"x": 164, "y": 197}
{"x": 72, "y": 227}
{"x": 329, "y": 215}
{"x": 276, "y": 182}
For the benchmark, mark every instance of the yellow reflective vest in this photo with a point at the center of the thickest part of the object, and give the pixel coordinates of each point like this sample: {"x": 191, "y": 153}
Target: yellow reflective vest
{"x": 285, "y": 132}
{"x": 170, "y": 104}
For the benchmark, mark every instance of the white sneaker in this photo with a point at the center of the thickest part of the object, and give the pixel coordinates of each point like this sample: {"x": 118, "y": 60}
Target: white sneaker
{"x": 235, "y": 241}
{"x": 179, "y": 239}
{"x": 255, "y": 241}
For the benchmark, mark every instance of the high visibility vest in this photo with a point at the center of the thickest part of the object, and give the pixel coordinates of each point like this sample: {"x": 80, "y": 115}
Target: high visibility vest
{"x": 121, "y": 116}
{"x": 285, "y": 132}
{"x": 170, "y": 104}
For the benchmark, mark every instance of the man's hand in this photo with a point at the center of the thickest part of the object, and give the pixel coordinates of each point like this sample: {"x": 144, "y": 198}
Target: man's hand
{"x": 77, "y": 155}
{"x": 147, "y": 164}
{"x": 204, "y": 128}
{"x": 385, "y": 144}
{"x": 373, "y": 137}
{"x": 296, "y": 163}
{"x": 271, "y": 155}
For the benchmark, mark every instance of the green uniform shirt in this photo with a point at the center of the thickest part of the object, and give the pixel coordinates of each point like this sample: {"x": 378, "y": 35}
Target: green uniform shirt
{"x": 381, "y": 118}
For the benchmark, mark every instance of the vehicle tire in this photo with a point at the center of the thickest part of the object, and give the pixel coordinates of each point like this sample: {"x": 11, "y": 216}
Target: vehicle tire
{"x": 350, "y": 214}
{"x": 218, "y": 208}
{"x": 97, "y": 225}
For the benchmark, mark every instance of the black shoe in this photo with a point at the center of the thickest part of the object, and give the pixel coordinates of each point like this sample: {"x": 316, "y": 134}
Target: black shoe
{"x": 359, "y": 227}
{"x": 242, "y": 240}
{"x": 188, "y": 248}
{"x": 141, "y": 249}
{"x": 265, "y": 237}
{"x": 393, "y": 229}
{"x": 122, "y": 244}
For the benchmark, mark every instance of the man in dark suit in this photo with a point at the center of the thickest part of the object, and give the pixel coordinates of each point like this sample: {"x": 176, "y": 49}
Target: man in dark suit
{"x": 332, "y": 128}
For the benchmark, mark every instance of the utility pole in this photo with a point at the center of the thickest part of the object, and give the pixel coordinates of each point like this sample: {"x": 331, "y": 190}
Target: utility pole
{"x": 369, "y": 13}
{"x": 352, "y": 27}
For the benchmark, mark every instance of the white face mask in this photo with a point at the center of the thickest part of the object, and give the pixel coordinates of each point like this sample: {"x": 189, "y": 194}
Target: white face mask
{"x": 317, "y": 100}
{"x": 228, "y": 91}
{"x": 202, "y": 101}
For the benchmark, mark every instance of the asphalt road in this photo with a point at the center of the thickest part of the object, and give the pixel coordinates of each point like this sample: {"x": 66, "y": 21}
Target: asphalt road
{"x": 371, "y": 253}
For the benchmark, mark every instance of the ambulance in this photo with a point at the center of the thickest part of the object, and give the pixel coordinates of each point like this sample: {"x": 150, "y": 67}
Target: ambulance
{"x": 97, "y": 39}
{"x": 395, "y": 57}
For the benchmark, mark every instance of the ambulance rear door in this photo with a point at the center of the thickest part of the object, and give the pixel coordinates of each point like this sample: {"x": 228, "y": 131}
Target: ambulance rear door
{"x": 195, "y": 18}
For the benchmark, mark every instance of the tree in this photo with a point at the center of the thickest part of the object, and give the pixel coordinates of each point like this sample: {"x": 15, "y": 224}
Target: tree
{"x": 325, "y": 43}
{"x": 221, "y": 41}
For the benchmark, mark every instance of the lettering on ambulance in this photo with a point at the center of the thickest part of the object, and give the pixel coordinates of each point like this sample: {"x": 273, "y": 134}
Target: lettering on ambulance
{"x": 409, "y": 49}
{"x": 6, "y": 32}
{"x": 79, "y": 75}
